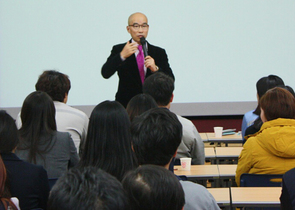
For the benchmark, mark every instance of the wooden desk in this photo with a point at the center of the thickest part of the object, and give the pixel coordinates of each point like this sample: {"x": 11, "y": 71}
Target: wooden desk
{"x": 199, "y": 171}
{"x": 256, "y": 196}
{"x": 221, "y": 195}
{"x": 210, "y": 153}
{"x": 227, "y": 171}
{"x": 204, "y": 136}
{"x": 235, "y": 138}
{"x": 228, "y": 153}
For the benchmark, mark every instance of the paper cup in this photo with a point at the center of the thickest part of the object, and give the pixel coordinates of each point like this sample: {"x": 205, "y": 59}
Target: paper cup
{"x": 185, "y": 164}
{"x": 218, "y": 131}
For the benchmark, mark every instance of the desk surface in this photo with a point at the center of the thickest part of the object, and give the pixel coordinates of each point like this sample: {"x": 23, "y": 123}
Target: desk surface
{"x": 204, "y": 136}
{"x": 209, "y": 152}
{"x": 227, "y": 171}
{"x": 228, "y": 152}
{"x": 247, "y": 196}
{"x": 221, "y": 195}
{"x": 256, "y": 196}
{"x": 199, "y": 171}
{"x": 235, "y": 138}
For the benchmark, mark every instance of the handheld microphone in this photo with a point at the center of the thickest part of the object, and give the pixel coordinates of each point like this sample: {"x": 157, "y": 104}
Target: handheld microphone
{"x": 143, "y": 43}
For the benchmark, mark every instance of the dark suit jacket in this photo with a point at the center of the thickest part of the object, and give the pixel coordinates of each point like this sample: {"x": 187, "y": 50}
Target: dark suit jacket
{"x": 27, "y": 182}
{"x": 129, "y": 78}
{"x": 288, "y": 190}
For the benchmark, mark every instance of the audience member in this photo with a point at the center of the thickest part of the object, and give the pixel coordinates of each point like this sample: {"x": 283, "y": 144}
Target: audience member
{"x": 5, "y": 197}
{"x": 108, "y": 142}
{"x": 251, "y": 119}
{"x": 68, "y": 119}
{"x": 153, "y": 187}
{"x": 288, "y": 191}
{"x": 272, "y": 149}
{"x": 40, "y": 143}
{"x": 139, "y": 104}
{"x": 161, "y": 87}
{"x": 87, "y": 188}
{"x": 27, "y": 182}
{"x": 156, "y": 135}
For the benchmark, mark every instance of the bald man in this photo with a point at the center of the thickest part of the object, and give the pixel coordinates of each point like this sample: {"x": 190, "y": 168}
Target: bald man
{"x": 131, "y": 65}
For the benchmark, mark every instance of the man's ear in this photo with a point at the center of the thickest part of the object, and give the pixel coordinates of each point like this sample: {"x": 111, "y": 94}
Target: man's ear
{"x": 172, "y": 96}
{"x": 128, "y": 29}
{"x": 175, "y": 154}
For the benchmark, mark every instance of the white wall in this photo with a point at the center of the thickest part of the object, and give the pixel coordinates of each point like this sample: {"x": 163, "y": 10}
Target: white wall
{"x": 217, "y": 49}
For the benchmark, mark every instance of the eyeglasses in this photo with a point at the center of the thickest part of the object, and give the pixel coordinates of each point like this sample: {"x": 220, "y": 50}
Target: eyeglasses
{"x": 136, "y": 26}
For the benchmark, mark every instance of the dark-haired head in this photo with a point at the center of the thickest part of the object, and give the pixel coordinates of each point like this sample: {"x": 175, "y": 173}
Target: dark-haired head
{"x": 139, "y": 104}
{"x": 264, "y": 84}
{"x": 8, "y": 133}
{"x": 160, "y": 86}
{"x": 156, "y": 135}
{"x": 277, "y": 103}
{"x": 153, "y": 187}
{"x": 108, "y": 142}
{"x": 55, "y": 84}
{"x": 87, "y": 188}
{"x": 38, "y": 119}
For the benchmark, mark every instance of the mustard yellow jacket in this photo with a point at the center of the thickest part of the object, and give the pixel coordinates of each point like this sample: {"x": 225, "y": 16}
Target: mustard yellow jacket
{"x": 270, "y": 151}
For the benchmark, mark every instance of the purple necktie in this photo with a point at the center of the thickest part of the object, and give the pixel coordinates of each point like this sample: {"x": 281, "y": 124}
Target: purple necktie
{"x": 140, "y": 63}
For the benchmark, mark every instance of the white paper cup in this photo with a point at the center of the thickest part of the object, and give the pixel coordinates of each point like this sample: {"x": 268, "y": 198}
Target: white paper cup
{"x": 185, "y": 164}
{"x": 218, "y": 131}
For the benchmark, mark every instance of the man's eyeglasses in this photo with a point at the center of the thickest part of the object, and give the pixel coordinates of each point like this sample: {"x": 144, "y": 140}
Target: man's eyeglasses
{"x": 136, "y": 26}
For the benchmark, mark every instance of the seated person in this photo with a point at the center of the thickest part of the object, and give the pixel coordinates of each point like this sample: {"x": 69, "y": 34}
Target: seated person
{"x": 153, "y": 187}
{"x": 87, "y": 188}
{"x": 262, "y": 85}
{"x": 160, "y": 86}
{"x": 139, "y": 104}
{"x": 40, "y": 142}
{"x": 271, "y": 150}
{"x": 158, "y": 148}
{"x": 27, "y": 182}
{"x": 68, "y": 119}
{"x": 108, "y": 142}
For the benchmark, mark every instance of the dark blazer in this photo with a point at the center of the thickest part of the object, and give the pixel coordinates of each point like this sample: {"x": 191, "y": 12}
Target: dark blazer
{"x": 27, "y": 182}
{"x": 129, "y": 78}
{"x": 288, "y": 191}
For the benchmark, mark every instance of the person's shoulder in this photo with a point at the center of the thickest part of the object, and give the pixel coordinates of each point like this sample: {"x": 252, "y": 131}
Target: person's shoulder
{"x": 184, "y": 121}
{"x": 119, "y": 46}
{"x": 155, "y": 47}
{"x": 193, "y": 187}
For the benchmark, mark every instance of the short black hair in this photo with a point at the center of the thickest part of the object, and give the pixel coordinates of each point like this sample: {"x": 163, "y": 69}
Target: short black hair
{"x": 8, "y": 133}
{"x": 153, "y": 187}
{"x": 160, "y": 86}
{"x": 87, "y": 188}
{"x": 156, "y": 135}
{"x": 55, "y": 84}
{"x": 264, "y": 84}
{"x": 139, "y": 104}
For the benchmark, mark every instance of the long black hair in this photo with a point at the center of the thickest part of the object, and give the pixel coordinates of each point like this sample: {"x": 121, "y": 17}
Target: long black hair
{"x": 108, "y": 142}
{"x": 38, "y": 120}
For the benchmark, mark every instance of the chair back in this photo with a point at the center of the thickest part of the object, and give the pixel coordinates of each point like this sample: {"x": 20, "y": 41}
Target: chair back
{"x": 261, "y": 180}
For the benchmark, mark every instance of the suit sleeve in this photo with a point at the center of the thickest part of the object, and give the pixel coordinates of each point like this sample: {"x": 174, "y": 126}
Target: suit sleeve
{"x": 245, "y": 160}
{"x": 112, "y": 64}
{"x": 163, "y": 64}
